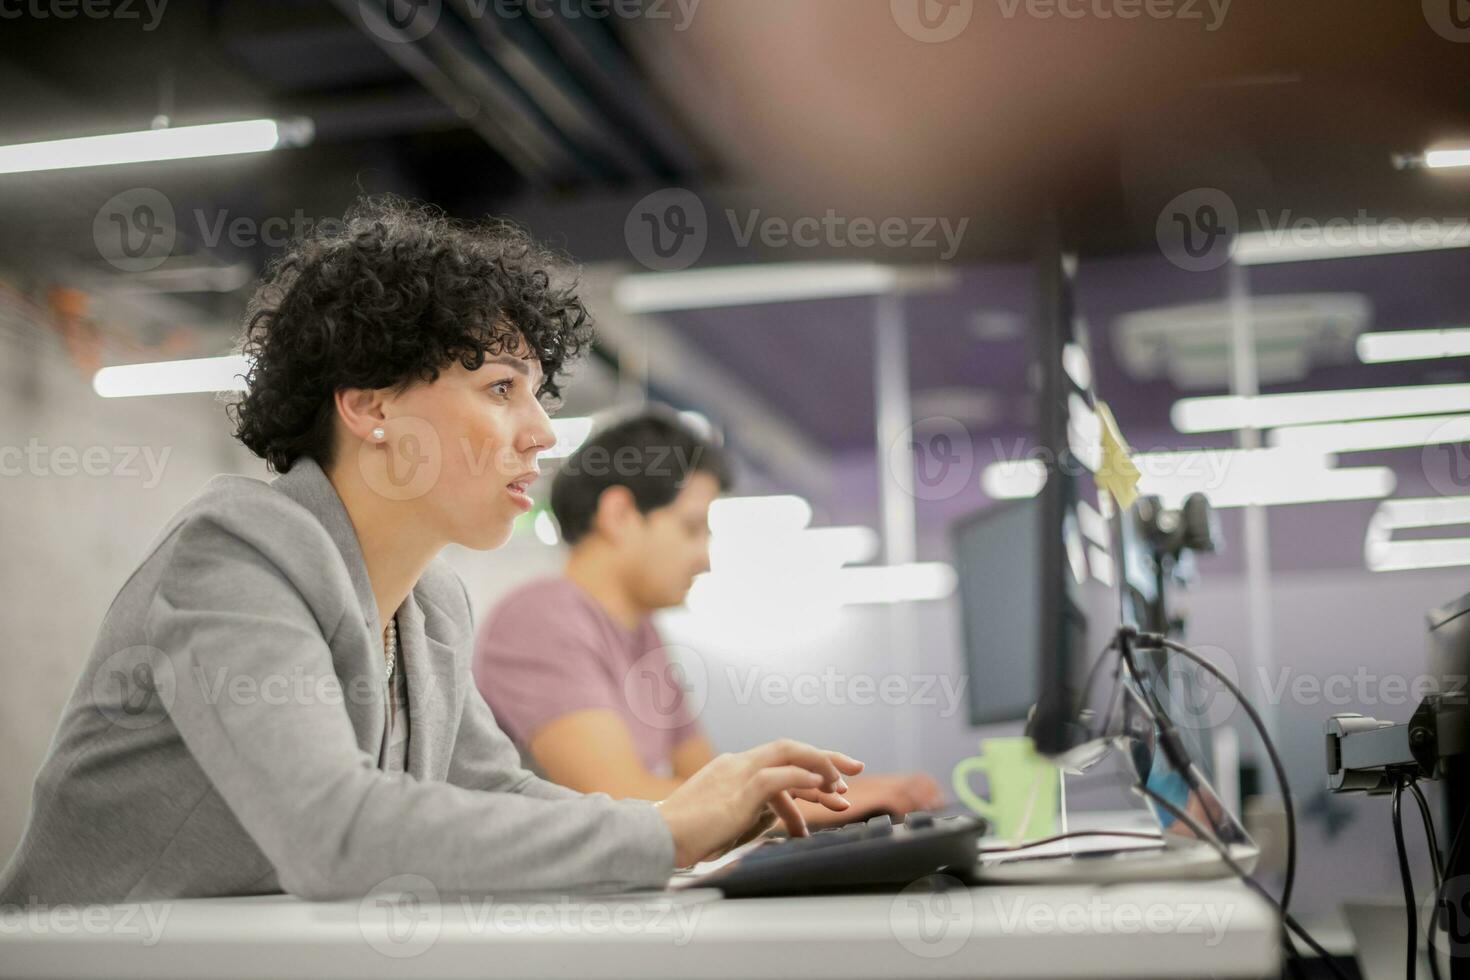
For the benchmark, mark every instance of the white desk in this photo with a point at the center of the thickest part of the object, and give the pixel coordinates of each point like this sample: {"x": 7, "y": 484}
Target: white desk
{"x": 1189, "y": 929}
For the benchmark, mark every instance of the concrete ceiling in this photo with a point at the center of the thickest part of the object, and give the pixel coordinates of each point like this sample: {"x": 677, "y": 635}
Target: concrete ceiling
{"x": 788, "y": 108}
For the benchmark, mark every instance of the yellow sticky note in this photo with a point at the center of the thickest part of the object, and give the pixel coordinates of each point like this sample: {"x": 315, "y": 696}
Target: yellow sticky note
{"x": 1117, "y": 474}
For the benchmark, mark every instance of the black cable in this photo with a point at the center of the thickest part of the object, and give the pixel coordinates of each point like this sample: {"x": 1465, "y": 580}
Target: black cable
{"x": 1437, "y": 868}
{"x": 1170, "y": 740}
{"x": 1086, "y": 697}
{"x": 1458, "y": 841}
{"x": 1097, "y": 665}
{"x": 1429, "y": 835}
{"x": 1280, "y": 771}
{"x": 1125, "y": 650}
{"x": 1240, "y": 872}
{"x": 1451, "y": 863}
{"x": 1293, "y": 958}
{"x": 1289, "y": 879}
{"x": 1408, "y": 878}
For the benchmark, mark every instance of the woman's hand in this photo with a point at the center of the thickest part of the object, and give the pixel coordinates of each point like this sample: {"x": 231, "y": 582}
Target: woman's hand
{"x": 739, "y": 796}
{"x": 897, "y": 794}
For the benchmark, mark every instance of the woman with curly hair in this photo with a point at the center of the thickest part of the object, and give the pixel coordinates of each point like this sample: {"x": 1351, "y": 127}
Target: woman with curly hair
{"x": 280, "y": 695}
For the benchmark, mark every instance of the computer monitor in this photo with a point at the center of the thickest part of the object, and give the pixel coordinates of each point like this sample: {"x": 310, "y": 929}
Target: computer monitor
{"x": 1086, "y": 706}
{"x": 1449, "y": 666}
{"x": 1000, "y": 592}
{"x": 1081, "y": 604}
{"x": 1449, "y": 645}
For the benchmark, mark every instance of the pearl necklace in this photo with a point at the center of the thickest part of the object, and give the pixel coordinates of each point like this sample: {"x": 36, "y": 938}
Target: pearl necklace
{"x": 390, "y": 646}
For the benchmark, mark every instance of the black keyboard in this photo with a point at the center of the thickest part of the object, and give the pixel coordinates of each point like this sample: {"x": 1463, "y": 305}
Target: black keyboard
{"x": 874, "y": 855}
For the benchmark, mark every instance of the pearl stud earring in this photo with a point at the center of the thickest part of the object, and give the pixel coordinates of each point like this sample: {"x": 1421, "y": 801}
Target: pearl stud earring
{"x": 378, "y": 433}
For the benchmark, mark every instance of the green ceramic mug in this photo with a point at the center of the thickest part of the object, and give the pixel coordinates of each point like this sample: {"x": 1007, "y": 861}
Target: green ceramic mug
{"x": 1024, "y": 788}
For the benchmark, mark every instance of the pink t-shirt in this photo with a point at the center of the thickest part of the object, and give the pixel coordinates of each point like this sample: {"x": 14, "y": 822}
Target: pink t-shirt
{"x": 549, "y": 649}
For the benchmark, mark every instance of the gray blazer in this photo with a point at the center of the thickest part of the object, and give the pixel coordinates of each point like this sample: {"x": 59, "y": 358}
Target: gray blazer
{"x": 223, "y": 737}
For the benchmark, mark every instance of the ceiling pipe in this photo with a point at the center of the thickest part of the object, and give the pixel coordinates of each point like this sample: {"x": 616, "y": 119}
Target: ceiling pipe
{"x": 520, "y": 51}
{"x": 448, "y": 61}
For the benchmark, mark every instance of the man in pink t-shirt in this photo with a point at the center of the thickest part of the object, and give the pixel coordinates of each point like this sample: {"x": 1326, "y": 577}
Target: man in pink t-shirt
{"x": 573, "y": 666}
{"x": 550, "y": 651}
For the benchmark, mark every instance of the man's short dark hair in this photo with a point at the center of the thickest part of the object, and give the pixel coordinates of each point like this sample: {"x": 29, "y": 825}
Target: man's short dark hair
{"x": 653, "y": 455}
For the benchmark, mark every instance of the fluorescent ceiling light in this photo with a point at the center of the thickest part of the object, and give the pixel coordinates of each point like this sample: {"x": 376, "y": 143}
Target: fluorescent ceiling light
{"x": 1383, "y": 554}
{"x": 1013, "y": 479}
{"x": 545, "y": 529}
{"x": 1075, "y": 363}
{"x": 1100, "y": 563}
{"x": 1375, "y": 434}
{"x": 658, "y": 292}
{"x": 1092, "y": 524}
{"x": 763, "y": 556}
{"x": 1084, "y": 433}
{"x": 180, "y": 277}
{"x": 1449, "y": 157}
{"x": 571, "y": 432}
{"x": 762, "y": 516}
{"x": 747, "y": 600}
{"x": 1260, "y": 477}
{"x": 1413, "y": 345}
{"x": 172, "y": 377}
{"x": 172, "y": 143}
{"x": 1228, "y": 477}
{"x": 915, "y": 582}
{"x": 814, "y": 549}
{"x": 699, "y": 422}
{"x": 228, "y": 374}
{"x": 1329, "y": 240}
{"x": 1221, "y": 413}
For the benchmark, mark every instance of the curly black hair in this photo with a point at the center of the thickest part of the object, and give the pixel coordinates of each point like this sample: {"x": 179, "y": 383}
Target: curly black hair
{"x": 390, "y": 296}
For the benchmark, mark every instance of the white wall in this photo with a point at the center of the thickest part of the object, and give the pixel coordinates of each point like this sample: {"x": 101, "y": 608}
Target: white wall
{"x": 69, "y": 541}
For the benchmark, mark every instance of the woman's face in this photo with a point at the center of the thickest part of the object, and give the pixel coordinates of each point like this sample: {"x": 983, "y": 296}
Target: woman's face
{"x": 463, "y": 448}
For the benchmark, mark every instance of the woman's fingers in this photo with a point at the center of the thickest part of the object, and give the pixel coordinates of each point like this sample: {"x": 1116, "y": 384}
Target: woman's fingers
{"x": 738, "y": 795}
{"x": 832, "y": 801}
{"x": 764, "y": 821}
{"x": 790, "y": 814}
{"x": 789, "y": 752}
{"x": 777, "y": 779}
{"x": 830, "y": 765}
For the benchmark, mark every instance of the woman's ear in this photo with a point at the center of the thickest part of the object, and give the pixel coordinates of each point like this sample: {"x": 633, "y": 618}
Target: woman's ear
{"x": 361, "y": 412}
